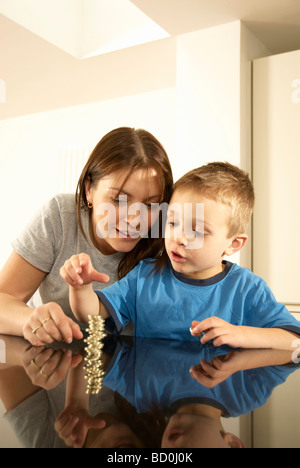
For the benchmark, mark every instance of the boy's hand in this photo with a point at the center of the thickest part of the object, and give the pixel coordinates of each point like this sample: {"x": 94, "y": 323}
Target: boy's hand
{"x": 221, "y": 332}
{"x": 78, "y": 270}
{"x": 73, "y": 423}
{"x": 220, "y": 368}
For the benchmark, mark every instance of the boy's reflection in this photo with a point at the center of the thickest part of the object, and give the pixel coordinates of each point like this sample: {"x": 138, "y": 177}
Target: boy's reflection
{"x": 198, "y": 426}
{"x": 195, "y": 387}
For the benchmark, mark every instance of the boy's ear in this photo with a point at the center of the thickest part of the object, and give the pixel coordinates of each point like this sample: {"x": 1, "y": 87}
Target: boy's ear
{"x": 233, "y": 441}
{"x": 237, "y": 243}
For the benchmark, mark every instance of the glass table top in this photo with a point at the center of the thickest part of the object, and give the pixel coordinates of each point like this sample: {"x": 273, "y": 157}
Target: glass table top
{"x": 125, "y": 392}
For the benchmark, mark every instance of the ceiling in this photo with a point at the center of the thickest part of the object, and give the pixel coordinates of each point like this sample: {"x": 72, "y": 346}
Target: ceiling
{"x": 84, "y": 28}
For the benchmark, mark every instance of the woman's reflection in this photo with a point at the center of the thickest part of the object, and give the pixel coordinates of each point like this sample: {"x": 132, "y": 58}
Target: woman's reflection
{"x": 129, "y": 429}
{"x": 32, "y": 390}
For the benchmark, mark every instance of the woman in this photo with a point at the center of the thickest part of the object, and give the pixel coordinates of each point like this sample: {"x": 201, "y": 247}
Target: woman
{"x": 127, "y": 168}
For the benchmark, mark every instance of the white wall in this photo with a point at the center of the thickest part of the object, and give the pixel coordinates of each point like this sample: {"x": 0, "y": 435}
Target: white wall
{"x": 214, "y": 101}
{"x": 30, "y": 148}
{"x": 208, "y": 96}
{"x": 198, "y": 120}
{"x": 214, "y": 95}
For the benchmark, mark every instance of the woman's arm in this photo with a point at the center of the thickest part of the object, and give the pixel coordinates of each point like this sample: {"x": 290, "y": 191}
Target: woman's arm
{"x": 19, "y": 280}
{"x": 15, "y": 386}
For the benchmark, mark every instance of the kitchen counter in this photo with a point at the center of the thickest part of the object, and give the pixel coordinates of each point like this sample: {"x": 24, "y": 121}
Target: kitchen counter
{"x": 147, "y": 396}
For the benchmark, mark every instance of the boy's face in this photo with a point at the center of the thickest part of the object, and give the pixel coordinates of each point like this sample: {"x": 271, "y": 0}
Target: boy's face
{"x": 192, "y": 430}
{"x": 199, "y": 257}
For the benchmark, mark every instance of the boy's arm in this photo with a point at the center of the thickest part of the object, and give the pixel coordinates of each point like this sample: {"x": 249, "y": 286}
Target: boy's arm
{"x": 272, "y": 338}
{"x": 223, "y": 333}
{"x": 268, "y": 324}
{"x": 84, "y": 302}
{"x": 79, "y": 273}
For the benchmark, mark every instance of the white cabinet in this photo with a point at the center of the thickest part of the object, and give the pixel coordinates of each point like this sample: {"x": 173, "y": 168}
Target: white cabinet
{"x": 276, "y": 174}
{"x": 276, "y": 221}
{"x": 277, "y": 423}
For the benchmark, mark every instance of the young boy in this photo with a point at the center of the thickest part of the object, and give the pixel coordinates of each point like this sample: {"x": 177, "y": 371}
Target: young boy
{"x": 191, "y": 283}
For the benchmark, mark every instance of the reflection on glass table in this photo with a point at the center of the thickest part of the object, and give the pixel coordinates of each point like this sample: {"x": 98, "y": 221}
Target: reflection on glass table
{"x": 155, "y": 393}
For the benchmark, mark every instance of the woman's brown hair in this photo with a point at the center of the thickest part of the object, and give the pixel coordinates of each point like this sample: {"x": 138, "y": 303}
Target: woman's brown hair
{"x": 128, "y": 149}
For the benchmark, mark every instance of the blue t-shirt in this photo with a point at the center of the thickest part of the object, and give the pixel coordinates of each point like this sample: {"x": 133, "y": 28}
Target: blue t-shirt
{"x": 163, "y": 305}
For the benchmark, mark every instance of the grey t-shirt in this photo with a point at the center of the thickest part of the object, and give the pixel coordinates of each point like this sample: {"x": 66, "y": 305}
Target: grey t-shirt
{"x": 51, "y": 238}
{"x": 34, "y": 418}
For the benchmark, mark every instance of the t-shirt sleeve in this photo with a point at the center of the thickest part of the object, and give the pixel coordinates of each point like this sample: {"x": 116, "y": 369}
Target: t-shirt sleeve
{"x": 38, "y": 243}
{"x": 268, "y": 313}
{"x": 120, "y": 301}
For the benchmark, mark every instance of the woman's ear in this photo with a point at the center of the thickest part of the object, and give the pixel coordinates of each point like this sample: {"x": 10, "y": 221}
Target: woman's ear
{"x": 88, "y": 191}
{"x": 236, "y": 244}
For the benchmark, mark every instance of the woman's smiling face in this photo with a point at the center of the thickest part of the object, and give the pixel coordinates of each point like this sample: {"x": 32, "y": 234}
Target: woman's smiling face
{"x": 121, "y": 213}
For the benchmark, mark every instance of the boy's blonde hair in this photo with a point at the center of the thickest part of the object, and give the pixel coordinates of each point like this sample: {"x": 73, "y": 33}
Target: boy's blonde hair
{"x": 224, "y": 183}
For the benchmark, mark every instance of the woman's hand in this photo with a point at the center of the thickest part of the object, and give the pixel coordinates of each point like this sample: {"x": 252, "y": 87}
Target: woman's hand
{"x": 78, "y": 271}
{"x": 46, "y": 367}
{"x": 48, "y": 323}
